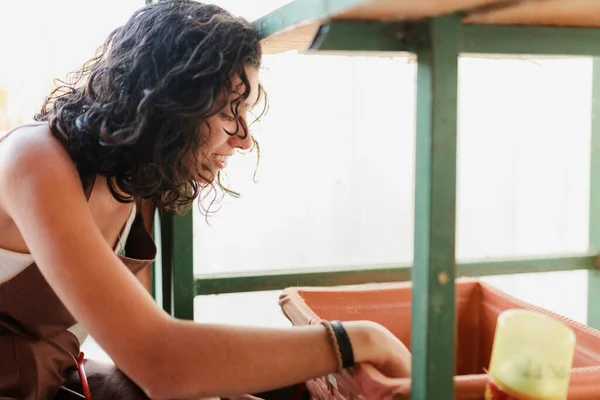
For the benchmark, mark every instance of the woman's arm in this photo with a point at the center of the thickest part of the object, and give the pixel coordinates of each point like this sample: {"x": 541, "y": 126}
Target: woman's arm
{"x": 41, "y": 191}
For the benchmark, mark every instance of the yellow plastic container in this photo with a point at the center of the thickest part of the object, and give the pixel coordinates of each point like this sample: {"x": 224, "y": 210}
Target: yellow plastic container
{"x": 531, "y": 357}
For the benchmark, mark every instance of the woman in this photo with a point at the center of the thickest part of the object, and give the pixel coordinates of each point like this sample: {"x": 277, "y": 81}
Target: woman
{"x": 150, "y": 122}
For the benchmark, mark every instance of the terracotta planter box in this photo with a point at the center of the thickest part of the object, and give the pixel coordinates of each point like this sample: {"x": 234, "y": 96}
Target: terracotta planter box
{"x": 478, "y": 306}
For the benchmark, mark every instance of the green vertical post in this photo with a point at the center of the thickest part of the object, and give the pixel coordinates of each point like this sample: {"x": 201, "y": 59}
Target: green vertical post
{"x": 183, "y": 266}
{"x": 593, "y": 313}
{"x": 166, "y": 261}
{"x": 177, "y": 256}
{"x": 433, "y": 310}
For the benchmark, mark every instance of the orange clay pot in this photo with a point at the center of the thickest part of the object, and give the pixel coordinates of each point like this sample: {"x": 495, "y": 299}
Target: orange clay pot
{"x": 478, "y": 306}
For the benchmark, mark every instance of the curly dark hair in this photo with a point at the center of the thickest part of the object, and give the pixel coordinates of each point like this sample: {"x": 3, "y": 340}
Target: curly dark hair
{"x": 132, "y": 113}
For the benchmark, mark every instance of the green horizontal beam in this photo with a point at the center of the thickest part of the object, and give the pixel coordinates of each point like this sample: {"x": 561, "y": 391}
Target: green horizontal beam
{"x": 530, "y": 40}
{"x": 358, "y": 36}
{"x": 566, "y": 262}
{"x": 396, "y": 37}
{"x": 301, "y": 12}
{"x": 277, "y": 280}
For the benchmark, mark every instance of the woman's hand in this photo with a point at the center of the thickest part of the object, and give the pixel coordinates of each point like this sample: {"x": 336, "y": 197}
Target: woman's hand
{"x": 374, "y": 344}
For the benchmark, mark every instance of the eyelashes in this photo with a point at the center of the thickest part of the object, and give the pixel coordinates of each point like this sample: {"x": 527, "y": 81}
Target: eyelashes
{"x": 228, "y": 118}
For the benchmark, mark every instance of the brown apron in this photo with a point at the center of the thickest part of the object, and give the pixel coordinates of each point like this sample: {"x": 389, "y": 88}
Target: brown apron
{"x": 37, "y": 352}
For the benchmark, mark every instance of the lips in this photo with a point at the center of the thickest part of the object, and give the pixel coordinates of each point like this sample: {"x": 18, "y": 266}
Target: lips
{"x": 221, "y": 160}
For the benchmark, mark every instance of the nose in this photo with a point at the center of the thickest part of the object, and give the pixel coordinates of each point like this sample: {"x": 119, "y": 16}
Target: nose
{"x": 242, "y": 141}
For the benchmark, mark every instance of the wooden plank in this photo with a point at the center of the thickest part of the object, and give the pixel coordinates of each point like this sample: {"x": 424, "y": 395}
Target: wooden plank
{"x": 298, "y": 38}
{"x": 394, "y": 10}
{"x": 582, "y": 13}
{"x": 293, "y": 26}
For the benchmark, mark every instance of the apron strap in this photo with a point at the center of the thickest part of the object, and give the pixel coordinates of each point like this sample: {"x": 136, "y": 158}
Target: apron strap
{"x": 82, "y": 377}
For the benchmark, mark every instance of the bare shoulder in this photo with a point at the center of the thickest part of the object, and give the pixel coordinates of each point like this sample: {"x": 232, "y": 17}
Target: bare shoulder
{"x": 32, "y": 155}
{"x": 29, "y": 146}
{"x": 33, "y": 165}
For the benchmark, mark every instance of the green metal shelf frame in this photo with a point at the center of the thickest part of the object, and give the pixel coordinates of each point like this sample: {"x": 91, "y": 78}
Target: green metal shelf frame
{"x": 209, "y": 284}
{"x": 437, "y": 44}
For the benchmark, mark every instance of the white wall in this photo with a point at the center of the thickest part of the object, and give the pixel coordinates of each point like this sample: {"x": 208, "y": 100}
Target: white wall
{"x": 43, "y": 40}
{"x": 336, "y": 175}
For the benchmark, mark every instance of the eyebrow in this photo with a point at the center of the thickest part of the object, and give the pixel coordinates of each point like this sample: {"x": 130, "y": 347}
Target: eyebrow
{"x": 246, "y": 103}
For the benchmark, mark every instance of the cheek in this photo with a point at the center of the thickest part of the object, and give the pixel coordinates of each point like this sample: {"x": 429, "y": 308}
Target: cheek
{"x": 217, "y": 135}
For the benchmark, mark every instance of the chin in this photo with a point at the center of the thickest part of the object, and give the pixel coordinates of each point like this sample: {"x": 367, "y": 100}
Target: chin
{"x": 206, "y": 176}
